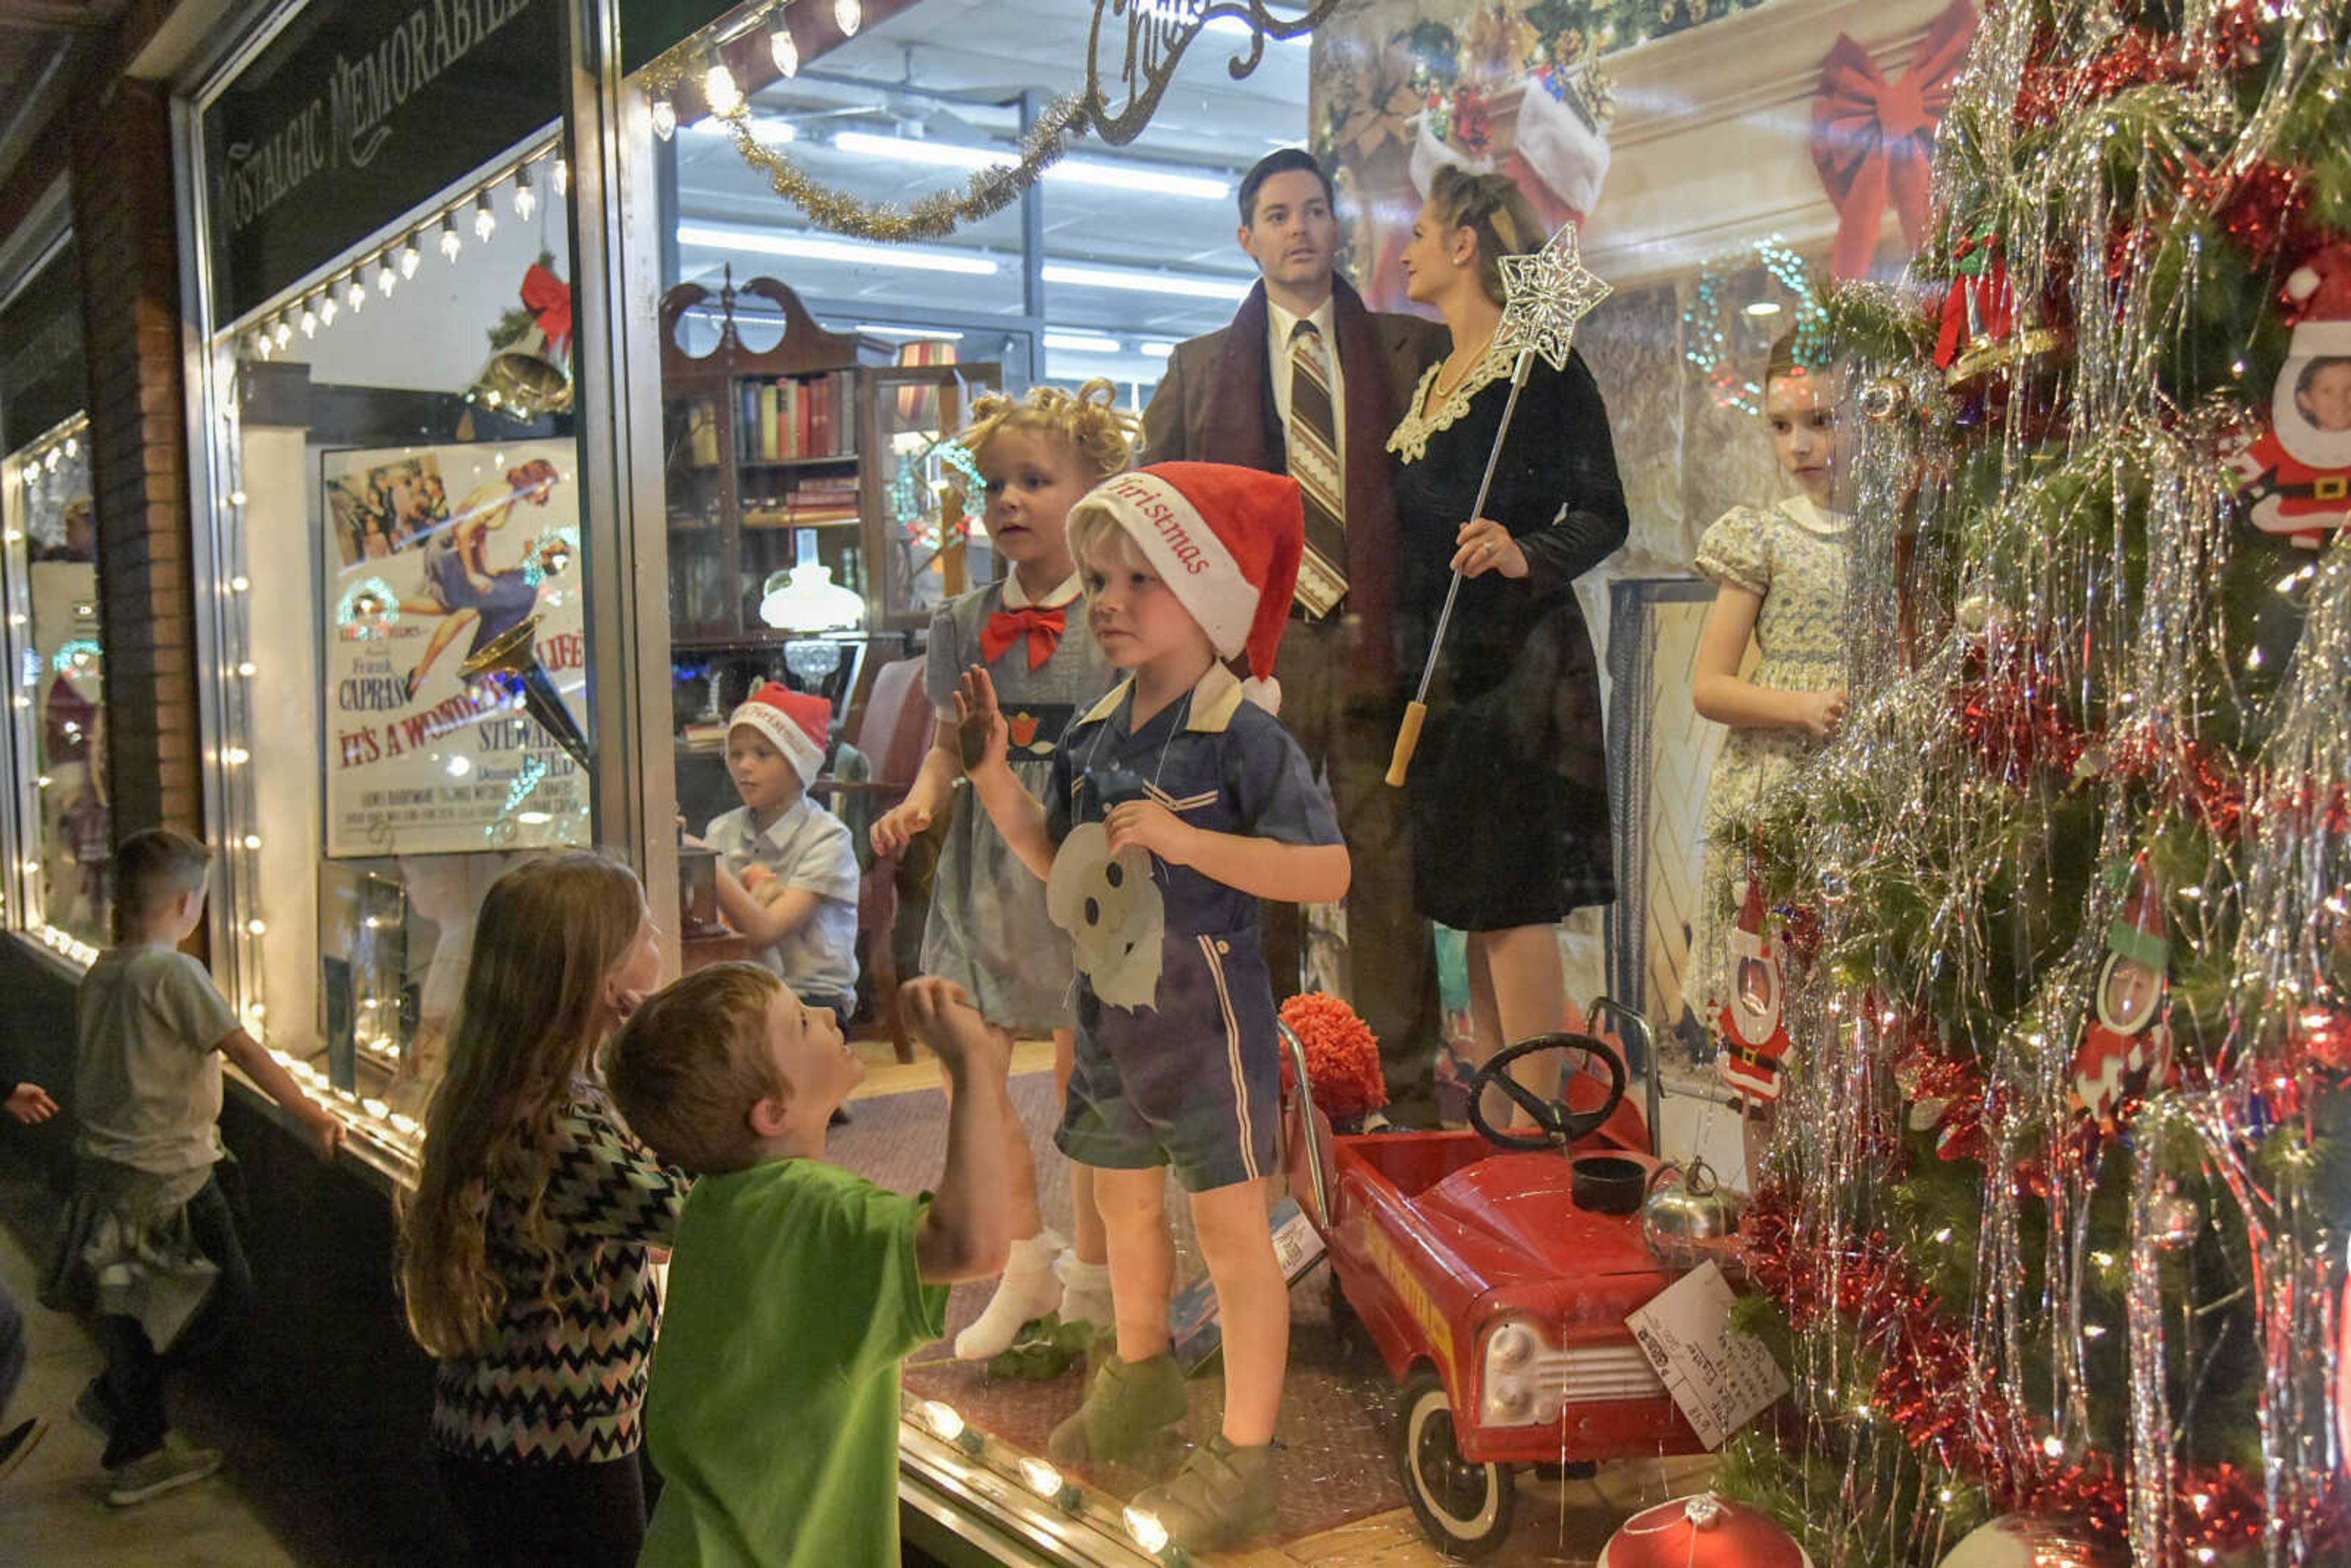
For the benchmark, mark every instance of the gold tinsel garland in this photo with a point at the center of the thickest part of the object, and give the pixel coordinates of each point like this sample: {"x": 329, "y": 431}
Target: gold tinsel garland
{"x": 987, "y": 192}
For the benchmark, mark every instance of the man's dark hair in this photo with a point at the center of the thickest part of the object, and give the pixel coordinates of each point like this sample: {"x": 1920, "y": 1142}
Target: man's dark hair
{"x": 1281, "y": 162}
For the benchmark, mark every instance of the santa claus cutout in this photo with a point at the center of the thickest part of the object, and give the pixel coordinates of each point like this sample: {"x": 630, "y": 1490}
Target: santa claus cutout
{"x": 1754, "y": 1040}
{"x": 2296, "y": 474}
{"x": 2128, "y": 1043}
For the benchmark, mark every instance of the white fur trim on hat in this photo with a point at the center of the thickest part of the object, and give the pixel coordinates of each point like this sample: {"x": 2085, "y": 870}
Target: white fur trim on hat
{"x": 1185, "y": 551}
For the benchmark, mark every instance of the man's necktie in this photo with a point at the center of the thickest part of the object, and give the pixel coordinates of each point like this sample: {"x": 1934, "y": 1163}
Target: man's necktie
{"x": 1321, "y": 472}
{"x": 1042, "y": 627}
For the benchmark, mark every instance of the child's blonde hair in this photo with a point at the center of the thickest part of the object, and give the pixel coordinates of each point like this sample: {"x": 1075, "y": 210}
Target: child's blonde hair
{"x": 1095, "y": 532}
{"x": 1088, "y": 422}
{"x": 690, "y": 1063}
{"x": 549, "y": 931}
{"x": 153, "y": 867}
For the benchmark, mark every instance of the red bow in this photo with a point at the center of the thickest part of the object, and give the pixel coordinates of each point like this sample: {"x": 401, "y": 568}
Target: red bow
{"x": 549, "y": 299}
{"x": 1872, "y": 138}
{"x": 1006, "y": 627}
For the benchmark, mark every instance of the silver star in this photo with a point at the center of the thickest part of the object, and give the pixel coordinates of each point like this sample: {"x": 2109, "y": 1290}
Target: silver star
{"x": 1544, "y": 296}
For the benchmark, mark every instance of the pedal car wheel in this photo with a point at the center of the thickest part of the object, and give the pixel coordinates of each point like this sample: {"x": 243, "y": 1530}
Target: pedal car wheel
{"x": 1465, "y": 1507}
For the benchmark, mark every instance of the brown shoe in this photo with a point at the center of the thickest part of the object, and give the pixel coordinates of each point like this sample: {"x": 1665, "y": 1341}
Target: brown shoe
{"x": 1127, "y": 1412}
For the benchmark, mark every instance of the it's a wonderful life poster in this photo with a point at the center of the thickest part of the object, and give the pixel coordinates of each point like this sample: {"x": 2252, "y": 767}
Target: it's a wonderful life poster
{"x": 456, "y": 657}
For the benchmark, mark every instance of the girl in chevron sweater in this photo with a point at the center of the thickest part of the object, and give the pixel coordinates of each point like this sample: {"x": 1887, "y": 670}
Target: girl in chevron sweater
{"x": 526, "y": 1247}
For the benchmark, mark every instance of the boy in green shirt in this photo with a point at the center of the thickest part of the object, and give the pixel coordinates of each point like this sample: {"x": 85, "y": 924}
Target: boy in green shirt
{"x": 796, "y": 1288}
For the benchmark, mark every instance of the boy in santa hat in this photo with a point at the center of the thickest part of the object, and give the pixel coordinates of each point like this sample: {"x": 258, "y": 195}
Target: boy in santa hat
{"x": 787, "y": 867}
{"x": 1177, "y": 803}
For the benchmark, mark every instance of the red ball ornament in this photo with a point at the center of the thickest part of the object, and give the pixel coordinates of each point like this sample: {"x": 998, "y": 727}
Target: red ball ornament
{"x": 2020, "y": 1540}
{"x": 1701, "y": 1531}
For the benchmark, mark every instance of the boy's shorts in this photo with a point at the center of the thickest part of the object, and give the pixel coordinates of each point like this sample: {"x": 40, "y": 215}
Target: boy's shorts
{"x": 1194, "y": 1083}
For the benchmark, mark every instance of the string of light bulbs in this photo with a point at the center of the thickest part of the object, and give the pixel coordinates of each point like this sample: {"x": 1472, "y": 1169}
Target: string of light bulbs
{"x": 346, "y": 289}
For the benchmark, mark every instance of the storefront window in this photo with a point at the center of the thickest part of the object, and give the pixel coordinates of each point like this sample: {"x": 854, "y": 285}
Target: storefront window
{"x": 59, "y": 883}
{"x": 396, "y": 646}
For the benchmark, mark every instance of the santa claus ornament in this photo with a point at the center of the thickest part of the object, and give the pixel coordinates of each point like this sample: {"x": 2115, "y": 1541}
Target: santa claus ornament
{"x": 2126, "y": 1042}
{"x": 1754, "y": 1039}
{"x": 1701, "y": 1531}
{"x": 2295, "y": 474}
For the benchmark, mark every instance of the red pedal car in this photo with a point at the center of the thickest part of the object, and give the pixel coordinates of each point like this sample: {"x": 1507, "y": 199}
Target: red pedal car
{"x": 1494, "y": 1273}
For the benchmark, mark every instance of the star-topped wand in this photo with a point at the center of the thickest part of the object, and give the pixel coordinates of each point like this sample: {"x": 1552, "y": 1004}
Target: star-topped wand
{"x": 1544, "y": 296}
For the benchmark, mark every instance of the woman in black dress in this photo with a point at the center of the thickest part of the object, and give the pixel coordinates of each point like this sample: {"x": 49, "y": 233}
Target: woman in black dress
{"x": 1509, "y": 791}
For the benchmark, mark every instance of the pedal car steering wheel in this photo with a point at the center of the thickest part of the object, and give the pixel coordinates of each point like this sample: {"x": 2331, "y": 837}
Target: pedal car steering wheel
{"x": 1561, "y": 1126}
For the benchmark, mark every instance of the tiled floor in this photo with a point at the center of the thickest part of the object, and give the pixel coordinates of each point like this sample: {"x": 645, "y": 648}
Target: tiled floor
{"x": 53, "y": 1509}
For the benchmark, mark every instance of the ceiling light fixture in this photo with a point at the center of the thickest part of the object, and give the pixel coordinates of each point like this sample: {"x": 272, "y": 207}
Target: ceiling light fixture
{"x": 1083, "y": 343}
{"x": 1077, "y": 277}
{"x": 848, "y": 253}
{"x": 1141, "y": 179}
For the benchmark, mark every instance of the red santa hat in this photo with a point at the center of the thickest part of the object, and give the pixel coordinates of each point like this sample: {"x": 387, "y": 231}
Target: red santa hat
{"x": 794, "y": 722}
{"x": 1227, "y": 542}
{"x": 2319, "y": 292}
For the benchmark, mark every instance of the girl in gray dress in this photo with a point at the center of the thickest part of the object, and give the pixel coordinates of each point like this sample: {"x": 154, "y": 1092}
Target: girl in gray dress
{"x": 988, "y": 929}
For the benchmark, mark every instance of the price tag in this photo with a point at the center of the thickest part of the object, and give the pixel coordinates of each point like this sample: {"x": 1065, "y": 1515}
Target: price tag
{"x": 1720, "y": 1378}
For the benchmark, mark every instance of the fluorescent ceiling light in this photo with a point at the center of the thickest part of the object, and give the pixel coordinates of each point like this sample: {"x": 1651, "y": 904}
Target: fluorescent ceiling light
{"x": 1140, "y": 282}
{"x": 1139, "y": 178}
{"x": 848, "y": 253}
{"x": 938, "y": 334}
{"x": 767, "y": 129}
{"x": 1156, "y": 350}
{"x": 1083, "y": 343}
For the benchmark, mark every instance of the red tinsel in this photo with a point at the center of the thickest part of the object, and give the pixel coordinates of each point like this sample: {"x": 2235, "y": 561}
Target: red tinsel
{"x": 1932, "y": 1388}
{"x": 1342, "y": 1055}
{"x": 2136, "y": 58}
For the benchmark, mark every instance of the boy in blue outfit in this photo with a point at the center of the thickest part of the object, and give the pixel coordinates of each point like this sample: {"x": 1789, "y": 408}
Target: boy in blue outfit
{"x": 1176, "y": 804}
{"x": 796, "y": 1287}
{"x": 787, "y": 867}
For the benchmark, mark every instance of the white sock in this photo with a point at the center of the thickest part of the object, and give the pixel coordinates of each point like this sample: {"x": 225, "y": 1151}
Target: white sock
{"x": 1085, "y": 1291}
{"x": 1026, "y": 1290}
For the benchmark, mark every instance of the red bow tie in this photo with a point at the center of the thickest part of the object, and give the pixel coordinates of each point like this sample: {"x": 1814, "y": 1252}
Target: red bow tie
{"x": 1006, "y": 627}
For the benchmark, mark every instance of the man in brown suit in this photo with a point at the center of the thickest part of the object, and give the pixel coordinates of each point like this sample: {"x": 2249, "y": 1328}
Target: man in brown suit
{"x": 1235, "y": 396}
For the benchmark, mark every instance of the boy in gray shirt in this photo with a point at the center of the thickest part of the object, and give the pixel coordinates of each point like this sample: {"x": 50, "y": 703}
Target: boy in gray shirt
{"x": 149, "y": 1244}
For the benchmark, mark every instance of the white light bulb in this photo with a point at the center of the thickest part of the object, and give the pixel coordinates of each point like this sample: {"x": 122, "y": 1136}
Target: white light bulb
{"x": 236, "y": 497}
{"x": 236, "y": 756}
{"x": 665, "y": 119}
{"x": 309, "y": 322}
{"x": 718, "y": 90}
{"x": 848, "y": 16}
{"x": 240, "y": 583}
{"x": 411, "y": 259}
{"x": 562, "y": 177}
{"x": 246, "y": 669}
{"x": 72, "y": 446}
{"x": 386, "y": 279}
{"x": 282, "y": 333}
{"x": 253, "y": 840}
{"x": 52, "y": 460}
{"x": 257, "y": 345}
{"x": 355, "y": 295}
{"x": 526, "y": 199}
{"x": 485, "y": 222}
{"x": 328, "y": 308}
{"x": 256, "y": 927}
{"x": 450, "y": 243}
{"x": 785, "y": 49}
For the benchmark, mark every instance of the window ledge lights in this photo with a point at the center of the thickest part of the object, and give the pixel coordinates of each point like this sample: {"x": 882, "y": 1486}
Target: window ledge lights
{"x": 75, "y": 952}
{"x": 973, "y": 1485}
{"x": 381, "y": 1142}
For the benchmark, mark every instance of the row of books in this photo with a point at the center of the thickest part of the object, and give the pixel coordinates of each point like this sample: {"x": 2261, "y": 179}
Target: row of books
{"x": 795, "y": 416}
{"x": 806, "y": 503}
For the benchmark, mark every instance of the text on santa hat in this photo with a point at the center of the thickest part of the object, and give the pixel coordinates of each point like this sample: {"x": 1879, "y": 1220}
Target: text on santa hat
{"x": 1148, "y": 499}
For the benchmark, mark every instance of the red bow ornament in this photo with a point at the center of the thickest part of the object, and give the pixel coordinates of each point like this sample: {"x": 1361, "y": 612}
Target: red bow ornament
{"x": 1042, "y": 627}
{"x": 549, "y": 299}
{"x": 1872, "y": 138}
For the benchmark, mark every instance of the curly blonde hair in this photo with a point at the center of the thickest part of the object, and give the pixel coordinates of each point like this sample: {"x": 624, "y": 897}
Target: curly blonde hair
{"x": 1088, "y": 422}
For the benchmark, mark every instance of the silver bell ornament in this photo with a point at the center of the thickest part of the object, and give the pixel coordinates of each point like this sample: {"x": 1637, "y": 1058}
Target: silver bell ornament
{"x": 1689, "y": 1216}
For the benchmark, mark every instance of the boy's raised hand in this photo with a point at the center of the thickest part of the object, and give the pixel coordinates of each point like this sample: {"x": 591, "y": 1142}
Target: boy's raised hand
{"x": 979, "y": 723}
{"x": 947, "y": 1020}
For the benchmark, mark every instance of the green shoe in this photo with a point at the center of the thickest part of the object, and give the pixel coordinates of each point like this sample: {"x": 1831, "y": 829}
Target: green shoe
{"x": 1129, "y": 1408}
{"x": 1222, "y": 1497}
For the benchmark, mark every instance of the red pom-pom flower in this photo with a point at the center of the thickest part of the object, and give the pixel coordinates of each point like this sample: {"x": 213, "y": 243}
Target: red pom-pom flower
{"x": 1342, "y": 1055}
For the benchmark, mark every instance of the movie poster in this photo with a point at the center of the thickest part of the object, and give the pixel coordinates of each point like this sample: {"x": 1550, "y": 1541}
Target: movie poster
{"x": 455, "y": 656}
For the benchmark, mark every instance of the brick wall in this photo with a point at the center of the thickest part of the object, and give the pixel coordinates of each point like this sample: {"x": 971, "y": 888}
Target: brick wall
{"x": 120, "y": 163}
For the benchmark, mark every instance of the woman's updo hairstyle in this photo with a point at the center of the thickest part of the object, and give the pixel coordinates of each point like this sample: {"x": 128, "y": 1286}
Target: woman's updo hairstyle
{"x": 1493, "y": 208}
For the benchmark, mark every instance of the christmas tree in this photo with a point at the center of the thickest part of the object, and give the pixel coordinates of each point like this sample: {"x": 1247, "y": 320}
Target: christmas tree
{"x": 2052, "y": 1230}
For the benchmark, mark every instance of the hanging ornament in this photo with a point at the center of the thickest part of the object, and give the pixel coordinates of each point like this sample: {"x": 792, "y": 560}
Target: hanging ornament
{"x": 1977, "y": 335}
{"x": 2019, "y": 1540}
{"x": 1754, "y": 1038}
{"x": 1882, "y": 400}
{"x": 2296, "y": 472}
{"x": 1701, "y": 1531}
{"x": 2128, "y": 1043}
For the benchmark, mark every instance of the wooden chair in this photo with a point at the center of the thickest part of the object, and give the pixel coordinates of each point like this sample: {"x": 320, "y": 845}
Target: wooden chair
{"x": 894, "y": 732}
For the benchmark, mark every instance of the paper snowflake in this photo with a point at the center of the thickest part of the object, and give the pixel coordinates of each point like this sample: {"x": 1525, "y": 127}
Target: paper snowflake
{"x": 1544, "y": 296}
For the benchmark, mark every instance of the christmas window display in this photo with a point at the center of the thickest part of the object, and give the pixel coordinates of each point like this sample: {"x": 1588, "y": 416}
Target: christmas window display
{"x": 57, "y": 700}
{"x": 393, "y": 585}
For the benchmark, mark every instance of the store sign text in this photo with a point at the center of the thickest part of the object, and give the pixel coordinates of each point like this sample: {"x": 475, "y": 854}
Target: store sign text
{"x": 346, "y": 124}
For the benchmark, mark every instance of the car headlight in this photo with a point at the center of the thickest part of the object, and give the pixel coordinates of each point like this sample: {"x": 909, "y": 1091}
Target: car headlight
{"x": 1512, "y": 1391}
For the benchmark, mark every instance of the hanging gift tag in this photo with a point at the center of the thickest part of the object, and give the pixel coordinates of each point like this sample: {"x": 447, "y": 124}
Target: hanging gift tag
{"x": 1720, "y": 1378}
